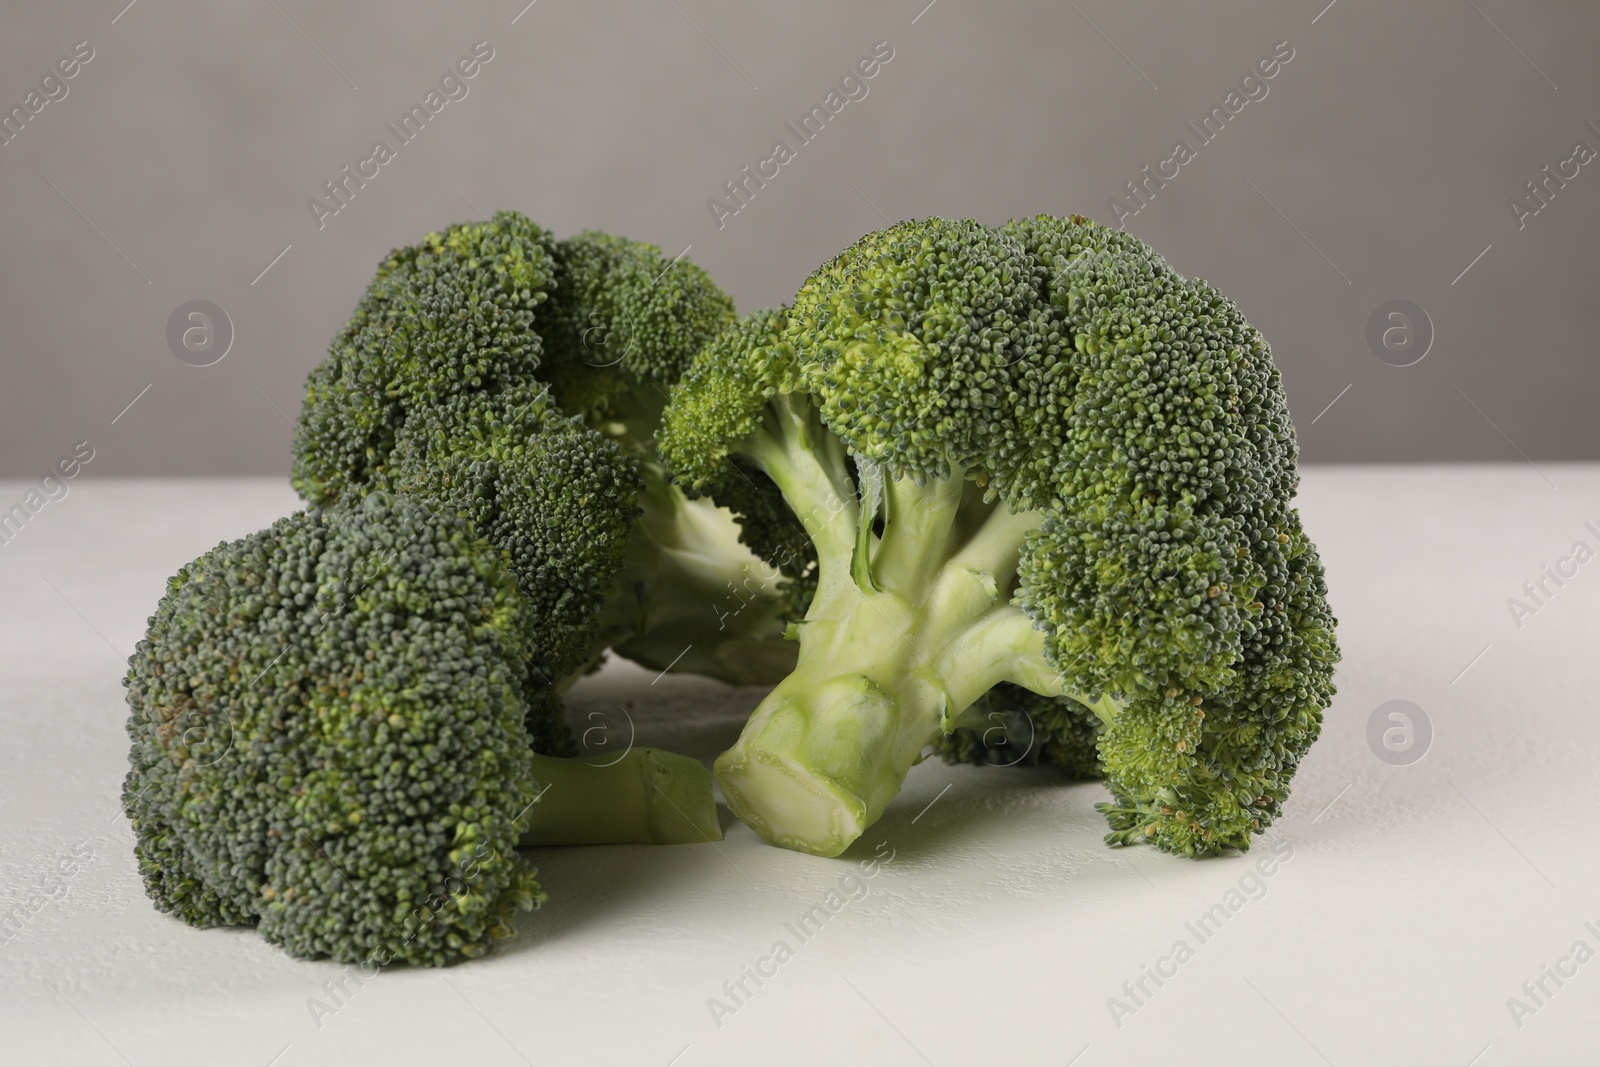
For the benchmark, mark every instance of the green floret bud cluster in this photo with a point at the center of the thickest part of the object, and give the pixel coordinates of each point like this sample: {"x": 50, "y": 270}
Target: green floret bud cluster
{"x": 327, "y": 728}
{"x": 1012, "y": 727}
{"x": 335, "y": 740}
{"x": 564, "y": 533}
{"x": 518, "y": 379}
{"x": 452, "y": 313}
{"x": 623, "y": 316}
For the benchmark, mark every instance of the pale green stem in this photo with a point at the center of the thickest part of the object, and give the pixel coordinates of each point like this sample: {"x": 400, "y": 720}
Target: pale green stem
{"x": 647, "y": 797}
{"x": 919, "y": 524}
{"x": 813, "y": 480}
{"x": 693, "y": 597}
{"x": 884, "y": 671}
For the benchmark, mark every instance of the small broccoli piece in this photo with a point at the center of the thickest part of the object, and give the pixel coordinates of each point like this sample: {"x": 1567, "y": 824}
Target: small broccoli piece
{"x": 730, "y": 408}
{"x": 1032, "y": 455}
{"x": 328, "y": 742}
{"x": 452, "y": 380}
{"x": 1011, "y": 727}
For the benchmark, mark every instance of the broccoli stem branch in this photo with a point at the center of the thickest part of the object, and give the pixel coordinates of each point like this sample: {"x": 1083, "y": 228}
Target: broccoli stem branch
{"x": 692, "y": 597}
{"x": 883, "y": 671}
{"x": 808, "y": 465}
{"x": 919, "y": 523}
{"x": 1001, "y": 646}
{"x": 647, "y": 797}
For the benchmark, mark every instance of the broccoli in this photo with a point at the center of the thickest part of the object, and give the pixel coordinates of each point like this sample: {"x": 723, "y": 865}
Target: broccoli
{"x": 1033, "y": 455}
{"x": 1010, "y": 726}
{"x": 328, "y": 724}
{"x": 519, "y": 379}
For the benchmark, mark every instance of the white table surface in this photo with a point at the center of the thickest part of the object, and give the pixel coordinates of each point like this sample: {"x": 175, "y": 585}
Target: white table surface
{"x": 1415, "y": 902}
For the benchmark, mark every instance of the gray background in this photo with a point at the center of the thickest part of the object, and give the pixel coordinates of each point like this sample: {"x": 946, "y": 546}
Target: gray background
{"x": 1379, "y": 166}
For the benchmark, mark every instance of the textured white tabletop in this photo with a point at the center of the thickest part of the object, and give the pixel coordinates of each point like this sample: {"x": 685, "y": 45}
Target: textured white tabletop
{"x": 1430, "y": 913}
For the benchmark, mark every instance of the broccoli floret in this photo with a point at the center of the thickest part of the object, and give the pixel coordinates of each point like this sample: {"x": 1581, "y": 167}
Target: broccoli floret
{"x": 538, "y": 484}
{"x": 329, "y": 736}
{"x": 1032, "y": 455}
{"x": 1011, "y": 727}
{"x": 452, "y": 380}
{"x": 625, "y": 323}
{"x": 450, "y": 314}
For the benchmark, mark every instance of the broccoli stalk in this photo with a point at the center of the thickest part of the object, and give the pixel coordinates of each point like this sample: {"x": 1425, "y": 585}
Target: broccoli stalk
{"x": 691, "y": 597}
{"x": 909, "y": 627}
{"x": 647, "y": 796}
{"x": 1035, "y": 456}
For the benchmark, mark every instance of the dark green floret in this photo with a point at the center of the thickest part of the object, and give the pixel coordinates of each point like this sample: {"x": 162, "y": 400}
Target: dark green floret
{"x": 1011, "y": 727}
{"x": 556, "y": 497}
{"x": 450, "y": 314}
{"x": 1033, "y": 456}
{"x": 624, "y": 323}
{"x": 327, "y": 726}
{"x": 517, "y": 379}
{"x": 331, "y": 741}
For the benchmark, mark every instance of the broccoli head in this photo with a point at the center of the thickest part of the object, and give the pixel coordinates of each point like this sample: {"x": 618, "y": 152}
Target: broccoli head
{"x": 519, "y": 380}
{"x": 1032, "y": 455}
{"x": 329, "y": 725}
{"x": 450, "y": 314}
